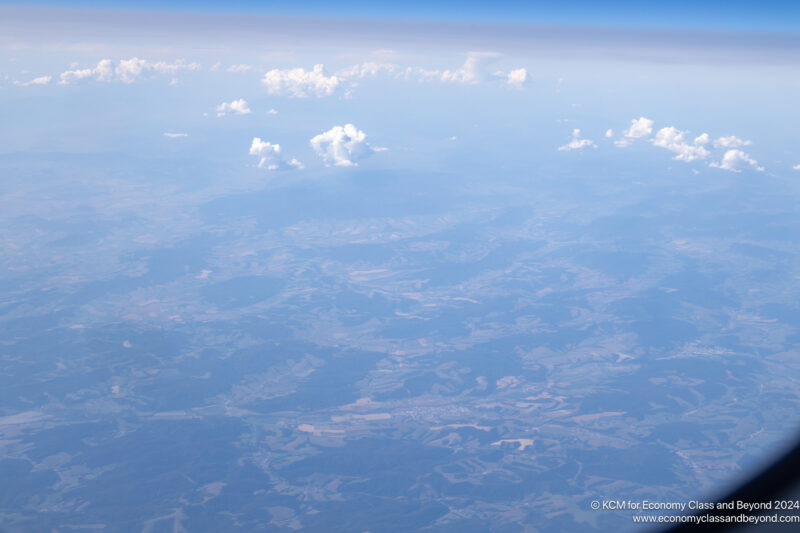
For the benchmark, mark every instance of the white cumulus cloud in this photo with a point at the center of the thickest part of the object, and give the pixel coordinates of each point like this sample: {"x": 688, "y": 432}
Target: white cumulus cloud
{"x": 796, "y": 167}
{"x": 420, "y": 73}
{"x": 342, "y": 146}
{"x": 517, "y": 78}
{"x": 367, "y": 69}
{"x": 640, "y": 127}
{"x": 734, "y": 160}
{"x": 162, "y": 67}
{"x": 730, "y": 141}
{"x": 270, "y": 156}
{"x": 129, "y": 70}
{"x": 671, "y": 138}
{"x": 300, "y": 83}
{"x": 171, "y": 135}
{"x": 41, "y": 80}
{"x": 238, "y": 107}
{"x": 101, "y": 72}
{"x": 239, "y": 68}
{"x": 702, "y": 139}
{"x": 471, "y": 70}
{"x": 609, "y": 133}
{"x": 577, "y": 143}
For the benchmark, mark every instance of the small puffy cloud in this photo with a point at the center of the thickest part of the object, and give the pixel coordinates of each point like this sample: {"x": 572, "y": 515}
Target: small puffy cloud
{"x": 270, "y": 156}
{"x": 300, "y": 83}
{"x": 175, "y": 135}
{"x": 671, "y": 138}
{"x": 101, "y": 72}
{"x": 517, "y": 78}
{"x": 238, "y": 107}
{"x": 699, "y": 148}
{"x": 420, "y": 73}
{"x": 342, "y": 146}
{"x": 367, "y": 69}
{"x": 730, "y": 141}
{"x": 73, "y": 75}
{"x": 577, "y": 143}
{"x": 796, "y": 167}
{"x": 609, "y": 133}
{"x": 272, "y": 112}
{"x": 471, "y": 70}
{"x": 239, "y": 68}
{"x": 41, "y": 80}
{"x": 162, "y": 67}
{"x": 128, "y": 70}
{"x": 640, "y": 127}
{"x": 734, "y": 160}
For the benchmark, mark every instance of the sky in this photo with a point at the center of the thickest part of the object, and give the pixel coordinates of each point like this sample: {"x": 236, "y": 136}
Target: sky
{"x": 302, "y": 90}
{"x": 702, "y": 99}
{"x": 713, "y": 14}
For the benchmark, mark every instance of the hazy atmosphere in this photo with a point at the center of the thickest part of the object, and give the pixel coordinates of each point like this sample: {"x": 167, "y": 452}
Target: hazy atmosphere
{"x": 369, "y": 269}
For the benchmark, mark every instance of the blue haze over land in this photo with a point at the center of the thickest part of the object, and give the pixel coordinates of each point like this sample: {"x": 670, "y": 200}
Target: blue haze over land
{"x": 263, "y": 272}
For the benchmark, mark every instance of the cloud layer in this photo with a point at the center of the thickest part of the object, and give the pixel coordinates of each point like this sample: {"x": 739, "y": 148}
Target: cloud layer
{"x": 300, "y": 83}
{"x": 127, "y": 70}
{"x": 101, "y": 72}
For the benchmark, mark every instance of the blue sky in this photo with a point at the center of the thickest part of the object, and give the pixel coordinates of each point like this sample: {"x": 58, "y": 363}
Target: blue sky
{"x": 712, "y": 14}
